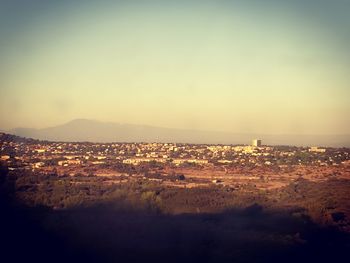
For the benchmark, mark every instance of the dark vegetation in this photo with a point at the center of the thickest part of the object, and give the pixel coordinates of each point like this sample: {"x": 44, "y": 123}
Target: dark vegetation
{"x": 46, "y": 218}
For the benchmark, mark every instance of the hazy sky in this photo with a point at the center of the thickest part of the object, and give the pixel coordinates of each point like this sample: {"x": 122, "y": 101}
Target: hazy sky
{"x": 255, "y": 66}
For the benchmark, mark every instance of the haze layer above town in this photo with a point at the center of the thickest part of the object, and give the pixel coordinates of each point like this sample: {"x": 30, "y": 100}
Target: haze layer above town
{"x": 82, "y": 130}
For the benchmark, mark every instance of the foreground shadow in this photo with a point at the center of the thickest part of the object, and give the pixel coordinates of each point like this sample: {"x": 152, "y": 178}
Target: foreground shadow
{"x": 106, "y": 233}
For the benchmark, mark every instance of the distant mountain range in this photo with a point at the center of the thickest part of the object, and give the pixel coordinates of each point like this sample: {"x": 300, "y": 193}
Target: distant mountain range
{"x": 95, "y": 131}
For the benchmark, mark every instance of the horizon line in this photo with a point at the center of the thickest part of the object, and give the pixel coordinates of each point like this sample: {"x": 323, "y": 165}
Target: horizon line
{"x": 174, "y": 128}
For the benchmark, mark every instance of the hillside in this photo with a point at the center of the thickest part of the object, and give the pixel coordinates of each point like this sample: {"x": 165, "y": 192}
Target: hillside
{"x": 96, "y": 131}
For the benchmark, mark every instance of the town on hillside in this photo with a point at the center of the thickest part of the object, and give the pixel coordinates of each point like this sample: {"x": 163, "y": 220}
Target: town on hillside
{"x": 171, "y": 176}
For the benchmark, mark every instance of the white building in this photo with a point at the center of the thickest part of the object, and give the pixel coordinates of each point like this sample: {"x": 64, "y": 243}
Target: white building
{"x": 256, "y": 143}
{"x": 316, "y": 149}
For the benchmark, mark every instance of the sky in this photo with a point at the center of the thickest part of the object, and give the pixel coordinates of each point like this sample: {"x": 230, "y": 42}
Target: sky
{"x": 245, "y": 66}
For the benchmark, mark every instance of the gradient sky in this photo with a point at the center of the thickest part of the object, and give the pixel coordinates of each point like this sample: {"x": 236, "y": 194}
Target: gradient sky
{"x": 255, "y": 66}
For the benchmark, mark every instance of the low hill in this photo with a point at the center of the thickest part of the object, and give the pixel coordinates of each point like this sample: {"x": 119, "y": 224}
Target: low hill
{"x": 96, "y": 131}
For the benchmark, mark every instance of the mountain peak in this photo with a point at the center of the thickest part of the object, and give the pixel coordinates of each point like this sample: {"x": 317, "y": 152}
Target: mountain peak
{"x": 96, "y": 131}
{"x": 82, "y": 120}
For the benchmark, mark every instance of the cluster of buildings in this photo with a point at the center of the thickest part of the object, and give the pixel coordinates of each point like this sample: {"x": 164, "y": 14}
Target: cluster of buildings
{"x": 34, "y": 154}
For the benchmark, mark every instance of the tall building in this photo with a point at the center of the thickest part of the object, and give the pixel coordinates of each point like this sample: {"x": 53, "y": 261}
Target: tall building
{"x": 256, "y": 143}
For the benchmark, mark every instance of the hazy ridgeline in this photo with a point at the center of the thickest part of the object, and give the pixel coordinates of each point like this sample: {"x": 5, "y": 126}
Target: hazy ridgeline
{"x": 82, "y": 130}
